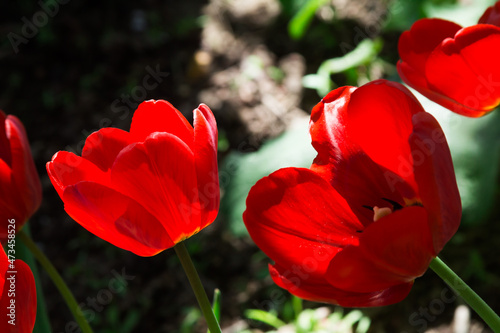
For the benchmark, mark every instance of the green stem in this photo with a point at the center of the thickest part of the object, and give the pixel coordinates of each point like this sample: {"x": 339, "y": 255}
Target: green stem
{"x": 464, "y": 291}
{"x": 42, "y": 324}
{"x": 57, "y": 279}
{"x": 197, "y": 287}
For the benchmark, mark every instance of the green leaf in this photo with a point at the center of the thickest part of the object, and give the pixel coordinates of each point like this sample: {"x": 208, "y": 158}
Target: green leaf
{"x": 307, "y": 321}
{"x": 192, "y": 317}
{"x": 265, "y": 317}
{"x": 299, "y": 23}
{"x": 364, "y": 53}
{"x": 216, "y": 304}
{"x": 297, "y": 305}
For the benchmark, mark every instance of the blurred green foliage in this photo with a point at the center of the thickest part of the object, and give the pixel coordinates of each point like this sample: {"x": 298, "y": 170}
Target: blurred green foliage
{"x": 474, "y": 143}
{"x": 301, "y": 20}
{"x": 465, "y": 14}
{"x": 364, "y": 54}
{"x": 240, "y": 171}
{"x": 319, "y": 320}
{"x": 475, "y": 149}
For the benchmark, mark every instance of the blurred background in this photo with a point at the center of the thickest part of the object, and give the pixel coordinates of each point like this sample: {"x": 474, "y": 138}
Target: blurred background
{"x": 70, "y": 67}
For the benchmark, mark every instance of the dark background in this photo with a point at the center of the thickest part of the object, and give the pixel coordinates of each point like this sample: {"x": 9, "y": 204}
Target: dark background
{"x": 79, "y": 66}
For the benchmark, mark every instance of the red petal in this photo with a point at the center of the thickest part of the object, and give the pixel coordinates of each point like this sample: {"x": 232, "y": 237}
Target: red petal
{"x": 491, "y": 15}
{"x": 392, "y": 251}
{"x": 115, "y": 218}
{"x": 20, "y": 189}
{"x": 11, "y": 204}
{"x": 362, "y": 139}
{"x": 160, "y": 116}
{"x": 435, "y": 177}
{"x": 299, "y": 221}
{"x": 67, "y": 169}
{"x": 379, "y": 120}
{"x": 340, "y": 161}
{"x": 4, "y": 142}
{"x": 25, "y": 297}
{"x": 416, "y": 44}
{"x": 160, "y": 175}
{"x": 205, "y": 153}
{"x": 102, "y": 147}
{"x": 327, "y": 126}
{"x": 25, "y": 176}
{"x": 466, "y": 71}
{"x": 324, "y": 292}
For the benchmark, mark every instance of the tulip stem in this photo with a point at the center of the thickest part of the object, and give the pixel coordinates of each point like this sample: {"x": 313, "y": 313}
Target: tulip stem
{"x": 197, "y": 287}
{"x": 57, "y": 279}
{"x": 464, "y": 291}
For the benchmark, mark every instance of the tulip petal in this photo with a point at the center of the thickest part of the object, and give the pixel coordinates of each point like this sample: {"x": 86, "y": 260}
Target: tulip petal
{"x": 115, "y": 218}
{"x": 382, "y": 133}
{"x": 436, "y": 178}
{"x": 394, "y": 250}
{"x": 160, "y": 116}
{"x": 21, "y": 191}
{"x": 327, "y": 127}
{"x": 491, "y": 15}
{"x": 466, "y": 71}
{"x": 5, "y": 154}
{"x": 25, "y": 176}
{"x": 10, "y": 202}
{"x": 67, "y": 169}
{"x": 324, "y": 292}
{"x": 205, "y": 152}
{"x": 299, "y": 221}
{"x": 102, "y": 147}
{"x": 416, "y": 44}
{"x": 362, "y": 161}
{"x": 160, "y": 175}
{"x": 25, "y": 297}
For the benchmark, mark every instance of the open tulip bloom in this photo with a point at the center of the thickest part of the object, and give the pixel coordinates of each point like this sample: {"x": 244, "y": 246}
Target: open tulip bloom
{"x": 148, "y": 189}
{"x": 455, "y": 67}
{"x": 377, "y": 205}
{"x": 144, "y": 190}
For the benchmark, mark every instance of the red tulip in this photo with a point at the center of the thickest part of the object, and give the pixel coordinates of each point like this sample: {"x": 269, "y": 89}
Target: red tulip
{"x": 455, "y": 67}
{"x": 20, "y": 189}
{"x": 18, "y": 298}
{"x": 147, "y": 189}
{"x": 377, "y": 205}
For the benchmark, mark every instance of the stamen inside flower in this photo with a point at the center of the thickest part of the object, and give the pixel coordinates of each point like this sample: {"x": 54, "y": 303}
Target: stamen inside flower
{"x": 380, "y": 212}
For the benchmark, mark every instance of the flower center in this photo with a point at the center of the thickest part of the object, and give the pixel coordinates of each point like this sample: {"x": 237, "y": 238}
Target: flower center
{"x": 380, "y": 212}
